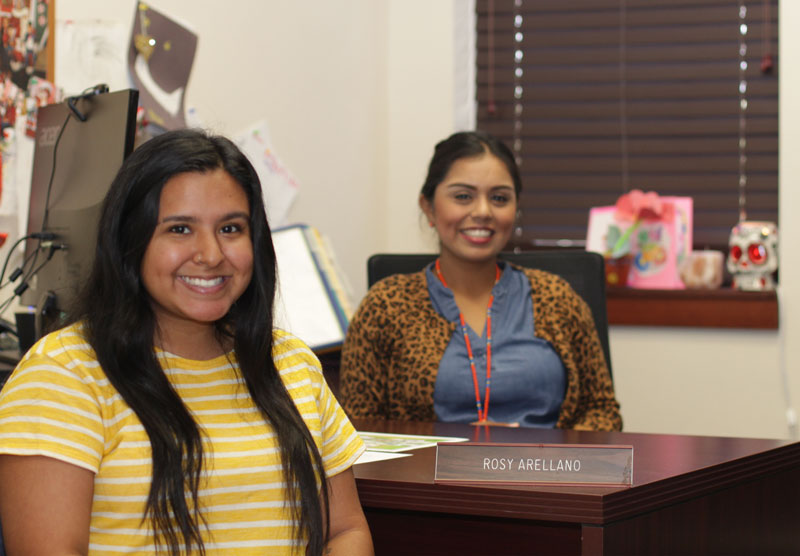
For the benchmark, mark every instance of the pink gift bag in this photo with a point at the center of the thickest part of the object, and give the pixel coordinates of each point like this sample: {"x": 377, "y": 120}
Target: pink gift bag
{"x": 658, "y": 246}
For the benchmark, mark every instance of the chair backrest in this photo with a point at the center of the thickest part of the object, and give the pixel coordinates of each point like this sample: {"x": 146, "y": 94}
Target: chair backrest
{"x": 583, "y": 270}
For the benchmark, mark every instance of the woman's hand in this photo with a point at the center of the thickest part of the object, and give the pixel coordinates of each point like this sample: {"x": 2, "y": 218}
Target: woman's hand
{"x": 349, "y": 530}
{"x": 45, "y": 506}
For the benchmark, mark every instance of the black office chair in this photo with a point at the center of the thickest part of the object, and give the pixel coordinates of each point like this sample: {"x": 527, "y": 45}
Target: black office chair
{"x": 583, "y": 270}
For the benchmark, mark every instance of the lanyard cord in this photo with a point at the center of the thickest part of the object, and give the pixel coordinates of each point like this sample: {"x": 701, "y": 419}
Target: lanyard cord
{"x": 483, "y": 408}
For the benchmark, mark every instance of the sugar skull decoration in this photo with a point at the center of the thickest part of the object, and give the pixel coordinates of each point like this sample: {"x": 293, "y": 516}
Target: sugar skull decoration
{"x": 753, "y": 255}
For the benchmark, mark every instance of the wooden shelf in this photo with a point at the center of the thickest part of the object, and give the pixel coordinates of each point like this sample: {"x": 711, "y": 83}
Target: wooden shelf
{"x": 723, "y": 308}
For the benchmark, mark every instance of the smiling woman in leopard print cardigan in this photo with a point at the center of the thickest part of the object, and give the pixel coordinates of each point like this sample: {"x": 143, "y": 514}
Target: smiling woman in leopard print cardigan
{"x": 435, "y": 344}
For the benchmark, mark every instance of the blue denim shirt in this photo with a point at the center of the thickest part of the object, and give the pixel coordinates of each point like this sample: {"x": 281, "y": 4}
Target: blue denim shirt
{"x": 528, "y": 377}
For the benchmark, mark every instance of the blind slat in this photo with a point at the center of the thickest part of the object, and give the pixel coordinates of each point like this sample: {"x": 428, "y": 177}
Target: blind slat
{"x": 610, "y": 109}
{"x": 507, "y": 6}
{"x": 582, "y": 185}
{"x": 681, "y": 146}
{"x": 718, "y": 90}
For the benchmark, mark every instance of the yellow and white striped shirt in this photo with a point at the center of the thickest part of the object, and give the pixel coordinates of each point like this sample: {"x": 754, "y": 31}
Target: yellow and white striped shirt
{"x": 59, "y": 403}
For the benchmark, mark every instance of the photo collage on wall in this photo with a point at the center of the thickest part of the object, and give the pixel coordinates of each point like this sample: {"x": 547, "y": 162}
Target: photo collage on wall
{"x": 24, "y": 33}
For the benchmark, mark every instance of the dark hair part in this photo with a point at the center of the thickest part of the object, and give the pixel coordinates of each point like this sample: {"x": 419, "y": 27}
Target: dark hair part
{"x": 467, "y": 144}
{"x": 121, "y": 327}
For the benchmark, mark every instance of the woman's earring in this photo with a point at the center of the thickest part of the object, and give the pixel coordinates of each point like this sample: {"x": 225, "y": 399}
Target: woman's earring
{"x": 430, "y": 223}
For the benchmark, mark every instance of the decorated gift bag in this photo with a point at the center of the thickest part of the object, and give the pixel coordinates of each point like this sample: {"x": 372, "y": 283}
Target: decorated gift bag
{"x": 655, "y": 231}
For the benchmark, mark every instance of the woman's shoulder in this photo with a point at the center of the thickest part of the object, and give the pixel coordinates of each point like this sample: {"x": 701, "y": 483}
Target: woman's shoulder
{"x": 66, "y": 344}
{"x": 298, "y": 367}
{"x": 554, "y": 297}
{"x": 63, "y": 358}
{"x": 291, "y": 354}
{"x": 390, "y": 302}
{"x": 285, "y": 343}
{"x": 398, "y": 289}
{"x": 546, "y": 284}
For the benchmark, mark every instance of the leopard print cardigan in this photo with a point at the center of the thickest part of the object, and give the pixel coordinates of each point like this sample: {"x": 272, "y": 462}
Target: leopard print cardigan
{"x": 396, "y": 339}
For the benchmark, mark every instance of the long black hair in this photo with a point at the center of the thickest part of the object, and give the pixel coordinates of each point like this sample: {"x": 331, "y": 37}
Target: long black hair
{"x": 467, "y": 144}
{"x": 120, "y": 326}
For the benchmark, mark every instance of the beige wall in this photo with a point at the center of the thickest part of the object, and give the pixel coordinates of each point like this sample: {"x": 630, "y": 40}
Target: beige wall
{"x": 420, "y": 110}
{"x": 317, "y": 74}
{"x": 357, "y": 92}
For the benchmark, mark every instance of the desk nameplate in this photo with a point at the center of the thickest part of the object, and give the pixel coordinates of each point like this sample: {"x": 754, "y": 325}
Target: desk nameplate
{"x": 562, "y": 464}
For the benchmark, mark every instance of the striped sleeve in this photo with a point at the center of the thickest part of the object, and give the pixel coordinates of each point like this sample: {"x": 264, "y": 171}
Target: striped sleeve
{"x": 49, "y": 408}
{"x": 340, "y": 445}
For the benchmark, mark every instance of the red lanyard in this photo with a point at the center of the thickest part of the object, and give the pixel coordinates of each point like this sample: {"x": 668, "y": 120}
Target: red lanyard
{"x": 483, "y": 409}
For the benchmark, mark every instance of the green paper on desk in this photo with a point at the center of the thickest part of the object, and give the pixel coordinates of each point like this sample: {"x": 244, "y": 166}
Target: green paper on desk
{"x": 387, "y": 442}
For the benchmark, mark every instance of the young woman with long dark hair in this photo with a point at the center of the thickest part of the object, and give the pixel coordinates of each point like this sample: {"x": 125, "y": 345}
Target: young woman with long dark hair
{"x": 169, "y": 416}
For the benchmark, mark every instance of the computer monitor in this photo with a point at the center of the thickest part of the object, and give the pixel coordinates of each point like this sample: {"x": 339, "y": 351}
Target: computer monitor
{"x": 80, "y": 145}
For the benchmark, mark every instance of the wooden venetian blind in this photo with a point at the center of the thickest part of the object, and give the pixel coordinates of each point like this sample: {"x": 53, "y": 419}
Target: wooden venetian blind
{"x": 621, "y": 94}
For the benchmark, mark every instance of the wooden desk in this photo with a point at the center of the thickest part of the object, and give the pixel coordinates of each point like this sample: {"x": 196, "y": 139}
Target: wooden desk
{"x": 691, "y": 495}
